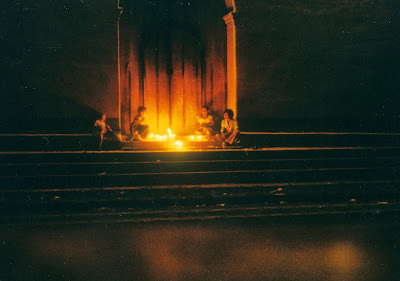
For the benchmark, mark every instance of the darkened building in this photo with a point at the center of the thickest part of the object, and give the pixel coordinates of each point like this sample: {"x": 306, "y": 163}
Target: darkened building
{"x": 173, "y": 59}
{"x": 300, "y": 65}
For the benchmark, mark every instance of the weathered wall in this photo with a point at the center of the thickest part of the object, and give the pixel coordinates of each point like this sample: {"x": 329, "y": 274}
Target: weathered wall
{"x": 172, "y": 59}
{"x": 297, "y": 60}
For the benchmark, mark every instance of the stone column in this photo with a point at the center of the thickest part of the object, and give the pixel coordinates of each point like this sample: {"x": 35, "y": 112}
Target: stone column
{"x": 120, "y": 11}
{"x": 231, "y": 62}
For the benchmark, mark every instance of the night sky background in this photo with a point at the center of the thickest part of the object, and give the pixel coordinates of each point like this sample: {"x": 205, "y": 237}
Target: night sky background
{"x": 297, "y": 60}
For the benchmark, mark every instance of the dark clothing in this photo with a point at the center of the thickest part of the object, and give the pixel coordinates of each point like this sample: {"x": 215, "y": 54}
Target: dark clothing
{"x": 142, "y": 130}
{"x": 138, "y": 127}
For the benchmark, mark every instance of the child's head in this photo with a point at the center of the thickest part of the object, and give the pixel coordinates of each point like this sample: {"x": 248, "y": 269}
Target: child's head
{"x": 103, "y": 117}
{"x": 142, "y": 111}
{"x": 204, "y": 111}
{"x": 228, "y": 114}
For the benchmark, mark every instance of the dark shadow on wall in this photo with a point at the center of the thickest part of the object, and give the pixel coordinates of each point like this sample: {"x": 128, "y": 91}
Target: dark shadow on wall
{"x": 59, "y": 65}
{"x": 318, "y": 59}
{"x": 31, "y": 112}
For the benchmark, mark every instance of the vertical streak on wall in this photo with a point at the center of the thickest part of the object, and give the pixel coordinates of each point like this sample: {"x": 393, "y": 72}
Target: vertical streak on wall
{"x": 156, "y": 46}
{"x": 219, "y": 77}
{"x": 231, "y": 62}
{"x": 142, "y": 70}
{"x": 150, "y": 84}
{"x": 184, "y": 44}
{"x": 203, "y": 75}
{"x": 169, "y": 74}
{"x": 190, "y": 85}
{"x": 198, "y": 77}
{"x": 163, "y": 84}
{"x": 134, "y": 71}
{"x": 176, "y": 82}
{"x": 209, "y": 74}
{"x": 120, "y": 10}
{"x": 124, "y": 99}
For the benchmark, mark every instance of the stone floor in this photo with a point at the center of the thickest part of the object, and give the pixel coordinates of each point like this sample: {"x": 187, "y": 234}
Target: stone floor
{"x": 334, "y": 248}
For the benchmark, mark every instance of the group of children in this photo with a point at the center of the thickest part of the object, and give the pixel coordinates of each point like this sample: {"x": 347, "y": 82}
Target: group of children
{"x": 229, "y": 126}
{"x": 205, "y": 123}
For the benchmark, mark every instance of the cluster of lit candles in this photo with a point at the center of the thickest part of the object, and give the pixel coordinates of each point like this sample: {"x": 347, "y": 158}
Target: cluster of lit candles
{"x": 169, "y": 137}
{"x": 196, "y": 138}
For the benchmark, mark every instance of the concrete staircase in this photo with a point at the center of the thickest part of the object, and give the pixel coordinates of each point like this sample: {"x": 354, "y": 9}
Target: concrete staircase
{"x": 88, "y": 142}
{"x": 92, "y": 186}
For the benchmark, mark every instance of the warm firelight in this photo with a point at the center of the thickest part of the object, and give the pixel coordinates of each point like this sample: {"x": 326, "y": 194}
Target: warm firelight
{"x": 169, "y": 137}
{"x": 198, "y": 138}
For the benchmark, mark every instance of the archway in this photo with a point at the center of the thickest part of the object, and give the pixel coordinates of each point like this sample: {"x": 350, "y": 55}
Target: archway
{"x": 174, "y": 57}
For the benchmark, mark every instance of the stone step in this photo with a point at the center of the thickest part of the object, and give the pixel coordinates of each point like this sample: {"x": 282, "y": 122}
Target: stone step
{"x": 318, "y": 139}
{"x": 16, "y": 157}
{"x": 106, "y": 215}
{"x": 76, "y": 142}
{"x": 109, "y": 168}
{"x": 56, "y": 142}
{"x": 135, "y": 184}
{"x": 140, "y": 197}
{"x": 201, "y": 177}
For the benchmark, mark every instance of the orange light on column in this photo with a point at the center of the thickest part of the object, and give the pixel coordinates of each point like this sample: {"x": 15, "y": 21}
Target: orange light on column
{"x": 231, "y": 62}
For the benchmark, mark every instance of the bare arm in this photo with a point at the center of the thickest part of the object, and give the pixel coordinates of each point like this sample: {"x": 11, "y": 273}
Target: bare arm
{"x": 222, "y": 126}
{"x": 198, "y": 125}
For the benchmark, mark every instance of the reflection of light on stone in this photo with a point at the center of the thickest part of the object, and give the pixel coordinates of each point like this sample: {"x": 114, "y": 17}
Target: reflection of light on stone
{"x": 197, "y": 138}
{"x": 307, "y": 262}
{"x": 343, "y": 257}
{"x": 177, "y": 253}
{"x": 58, "y": 249}
{"x": 178, "y": 144}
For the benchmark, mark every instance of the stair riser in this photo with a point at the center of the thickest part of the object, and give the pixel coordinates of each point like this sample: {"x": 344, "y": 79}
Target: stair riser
{"x": 118, "y": 168}
{"x": 307, "y": 140}
{"x": 87, "y": 142}
{"x": 76, "y": 202}
{"x": 197, "y": 178}
{"x": 195, "y": 155}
